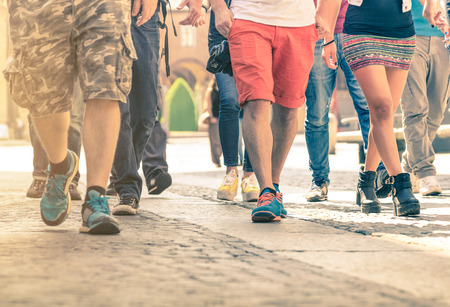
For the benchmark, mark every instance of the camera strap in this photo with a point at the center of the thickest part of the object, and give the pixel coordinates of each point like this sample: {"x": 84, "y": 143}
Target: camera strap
{"x": 163, "y": 26}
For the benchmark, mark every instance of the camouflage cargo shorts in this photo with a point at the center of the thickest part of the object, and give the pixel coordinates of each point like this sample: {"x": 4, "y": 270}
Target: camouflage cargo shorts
{"x": 57, "y": 41}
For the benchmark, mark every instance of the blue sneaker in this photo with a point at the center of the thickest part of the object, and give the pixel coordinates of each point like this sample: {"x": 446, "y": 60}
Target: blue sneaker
{"x": 96, "y": 216}
{"x": 280, "y": 199}
{"x": 55, "y": 201}
{"x": 268, "y": 208}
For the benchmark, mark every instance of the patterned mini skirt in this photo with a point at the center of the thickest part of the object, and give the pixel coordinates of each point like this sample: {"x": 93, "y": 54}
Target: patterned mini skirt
{"x": 364, "y": 50}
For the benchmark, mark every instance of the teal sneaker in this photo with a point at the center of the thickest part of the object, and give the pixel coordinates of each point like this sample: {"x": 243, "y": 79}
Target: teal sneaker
{"x": 96, "y": 215}
{"x": 55, "y": 201}
{"x": 268, "y": 208}
{"x": 280, "y": 199}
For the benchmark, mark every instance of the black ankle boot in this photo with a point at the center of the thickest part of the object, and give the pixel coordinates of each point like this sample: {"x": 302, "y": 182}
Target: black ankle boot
{"x": 365, "y": 192}
{"x": 402, "y": 196}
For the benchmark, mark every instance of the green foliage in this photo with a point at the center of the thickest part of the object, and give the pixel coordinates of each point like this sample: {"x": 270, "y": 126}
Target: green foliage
{"x": 181, "y": 110}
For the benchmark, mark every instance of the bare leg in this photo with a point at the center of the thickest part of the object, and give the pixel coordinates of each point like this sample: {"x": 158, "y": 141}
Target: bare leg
{"x": 52, "y": 131}
{"x": 100, "y": 133}
{"x": 284, "y": 128}
{"x": 258, "y": 140}
{"x": 374, "y": 82}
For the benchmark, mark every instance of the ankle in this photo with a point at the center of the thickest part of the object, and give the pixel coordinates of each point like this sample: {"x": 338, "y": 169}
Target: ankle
{"x": 100, "y": 190}
{"x": 268, "y": 189}
{"x": 230, "y": 168}
{"x": 246, "y": 174}
{"x": 62, "y": 167}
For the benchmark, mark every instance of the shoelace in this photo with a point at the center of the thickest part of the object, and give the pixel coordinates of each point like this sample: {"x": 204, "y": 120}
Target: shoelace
{"x": 229, "y": 179}
{"x": 99, "y": 204}
{"x": 429, "y": 181}
{"x": 265, "y": 199}
{"x": 38, "y": 184}
{"x": 126, "y": 199}
{"x": 280, "y": 197}
{"x": 53, "y": 186}
{"x": 251, "y": 181}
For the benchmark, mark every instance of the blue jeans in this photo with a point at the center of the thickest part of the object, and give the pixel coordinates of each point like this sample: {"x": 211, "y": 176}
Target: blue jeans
{"x": 229, "y": 122}
{"x": 321, "y": 84}
{"x": 138, "y": 115}
{"x": 154, "y": 157}
{"x": 40, "y": 160}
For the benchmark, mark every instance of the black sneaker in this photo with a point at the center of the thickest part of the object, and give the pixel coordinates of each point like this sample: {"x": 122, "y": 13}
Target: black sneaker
{"x": 36, "y": 188}
{"x": 110, "y": 190}
{"x": 128, "y": 205}
{"x": 74, "y": 193}
{"x": 158, "y": 182}
{"x": 383, "y": 184}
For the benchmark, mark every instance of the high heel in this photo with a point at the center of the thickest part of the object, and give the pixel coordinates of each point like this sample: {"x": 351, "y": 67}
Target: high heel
{"x": 402, "y": 196}
{"x": 366, "y": 197}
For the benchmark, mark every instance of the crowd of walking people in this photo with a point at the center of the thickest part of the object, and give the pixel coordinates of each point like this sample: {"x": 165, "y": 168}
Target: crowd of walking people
{"x": 95, "y": 65}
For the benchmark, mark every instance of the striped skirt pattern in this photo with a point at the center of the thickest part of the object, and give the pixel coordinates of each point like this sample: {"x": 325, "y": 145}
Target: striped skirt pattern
{"x": 364, "y": 50}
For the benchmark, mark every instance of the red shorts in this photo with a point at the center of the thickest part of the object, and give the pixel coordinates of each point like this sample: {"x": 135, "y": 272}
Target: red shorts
{"x": 270, "y": 62}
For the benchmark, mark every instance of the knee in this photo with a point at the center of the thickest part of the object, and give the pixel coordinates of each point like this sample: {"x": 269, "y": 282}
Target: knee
{"x": 229, "y": 103}
{"x": 287, "y": 116}
{"x": 313, "y": 121}
{"x": 382, "y": 110}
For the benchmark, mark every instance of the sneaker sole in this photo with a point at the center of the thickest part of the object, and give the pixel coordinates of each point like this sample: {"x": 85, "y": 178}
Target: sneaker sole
{"x": 63, "y": 216}
{"x": 33, "y": 195}
{"x": 225, "y": 195}
{"x": 250, "y": 196}
{"x": 265, "y": 217}
{"x": 77, "y": 197}
{"x": 317, "y": 198}
{"x": 431, "y": 193}
{"x": 106, "y": 227}
{"x": 124, "y": 210}
{"x": 164, "y": 184}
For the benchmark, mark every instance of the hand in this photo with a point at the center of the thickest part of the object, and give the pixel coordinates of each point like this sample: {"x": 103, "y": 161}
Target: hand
{"x": 329, "y": 55}
{"x": 443, "y": 26}
{"x": 201, "y": 21}
{"x": 147, "y": 9}
{"x": 224, "y": 19}
{"x": 432, "y": 12}
{"x": 195, "y": 7}
{"x": 323, "y": 27}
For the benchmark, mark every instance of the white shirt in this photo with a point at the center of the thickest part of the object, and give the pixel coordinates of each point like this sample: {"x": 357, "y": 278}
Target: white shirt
{"x": 283, "y": 13}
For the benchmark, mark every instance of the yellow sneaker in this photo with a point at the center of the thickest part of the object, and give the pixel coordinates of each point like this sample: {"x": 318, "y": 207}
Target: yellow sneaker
{"x": 250, "y": 189}
{"x": 228, "y": 189}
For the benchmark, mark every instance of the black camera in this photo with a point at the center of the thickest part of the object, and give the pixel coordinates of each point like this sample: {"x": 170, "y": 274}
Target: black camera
{"x": 220, "y": 60}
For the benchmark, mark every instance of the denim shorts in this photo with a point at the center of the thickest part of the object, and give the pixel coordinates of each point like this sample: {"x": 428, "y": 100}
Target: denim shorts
{"x": 57, "y": 41}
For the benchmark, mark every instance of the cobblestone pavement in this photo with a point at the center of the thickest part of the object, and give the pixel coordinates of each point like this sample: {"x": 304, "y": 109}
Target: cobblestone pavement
{"x": 159, "y": 261}
{"x": 185, "y": 248}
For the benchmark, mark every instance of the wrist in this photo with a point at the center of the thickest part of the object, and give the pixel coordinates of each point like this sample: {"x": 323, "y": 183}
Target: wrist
{"x": 217, "y": 6}
{"x": 326, "y": 43}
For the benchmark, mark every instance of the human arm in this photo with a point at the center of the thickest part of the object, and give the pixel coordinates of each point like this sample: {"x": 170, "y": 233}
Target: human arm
{"x": 329, "y": 55}
{"x": 204, "y": 10}
{"x": 440, "y": 21}
{"x": 195, "y": 7}
{"x": 223, "y": 15}
{"x": 326, "y": 15}
{"x": 433, "y": 12}
{"x": 144, "y": 9}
